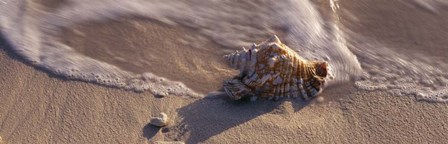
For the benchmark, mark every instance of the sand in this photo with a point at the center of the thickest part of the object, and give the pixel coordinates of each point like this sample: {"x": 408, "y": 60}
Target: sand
{"x": 142, "y": 45}
{"x": 37, "y": 107}
{"x": 399, "y": 25}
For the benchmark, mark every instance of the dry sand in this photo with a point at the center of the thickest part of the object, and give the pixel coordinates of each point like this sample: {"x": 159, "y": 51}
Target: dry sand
{"x": 39, "y": 108}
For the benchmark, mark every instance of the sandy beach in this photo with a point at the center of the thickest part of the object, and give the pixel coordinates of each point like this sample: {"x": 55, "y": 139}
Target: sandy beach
{"x": 39, "y": 107}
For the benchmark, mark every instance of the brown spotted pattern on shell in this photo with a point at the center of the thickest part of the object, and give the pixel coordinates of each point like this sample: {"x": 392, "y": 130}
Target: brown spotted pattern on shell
{"x": 273, "y": 70}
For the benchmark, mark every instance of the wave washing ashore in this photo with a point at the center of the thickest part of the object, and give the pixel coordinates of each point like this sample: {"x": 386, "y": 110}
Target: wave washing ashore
{"x": 33, "y": 33}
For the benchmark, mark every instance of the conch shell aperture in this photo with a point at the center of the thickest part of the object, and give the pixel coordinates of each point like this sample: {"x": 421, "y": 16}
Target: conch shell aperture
{"x": 273, "y": 70}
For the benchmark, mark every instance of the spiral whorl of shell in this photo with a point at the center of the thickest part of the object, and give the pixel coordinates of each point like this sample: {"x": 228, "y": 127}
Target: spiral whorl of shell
{"x": 273, "y": 70}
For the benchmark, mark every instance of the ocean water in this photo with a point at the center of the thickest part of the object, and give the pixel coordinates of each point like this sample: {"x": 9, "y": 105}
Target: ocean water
{"x": 317, "y": 30}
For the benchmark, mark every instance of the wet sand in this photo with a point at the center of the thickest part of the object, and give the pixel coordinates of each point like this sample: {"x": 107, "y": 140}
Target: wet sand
{"x": 36, "y": 107}
{"x": 402, "y": 26}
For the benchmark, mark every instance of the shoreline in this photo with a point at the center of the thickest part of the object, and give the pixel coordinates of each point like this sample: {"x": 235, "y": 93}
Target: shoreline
{"x": 73, "y": 111}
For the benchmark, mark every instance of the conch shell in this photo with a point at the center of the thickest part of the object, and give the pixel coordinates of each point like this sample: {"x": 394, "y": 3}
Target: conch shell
{"x": 273, "y": 70}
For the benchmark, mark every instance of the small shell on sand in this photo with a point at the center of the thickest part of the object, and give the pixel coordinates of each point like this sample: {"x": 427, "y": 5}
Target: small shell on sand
{"x": 160, "y": 121}
{"x": 320, "y": 99}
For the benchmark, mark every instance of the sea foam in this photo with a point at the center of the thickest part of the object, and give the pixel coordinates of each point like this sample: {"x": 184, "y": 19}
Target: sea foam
{"x": 33, "y": 34}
